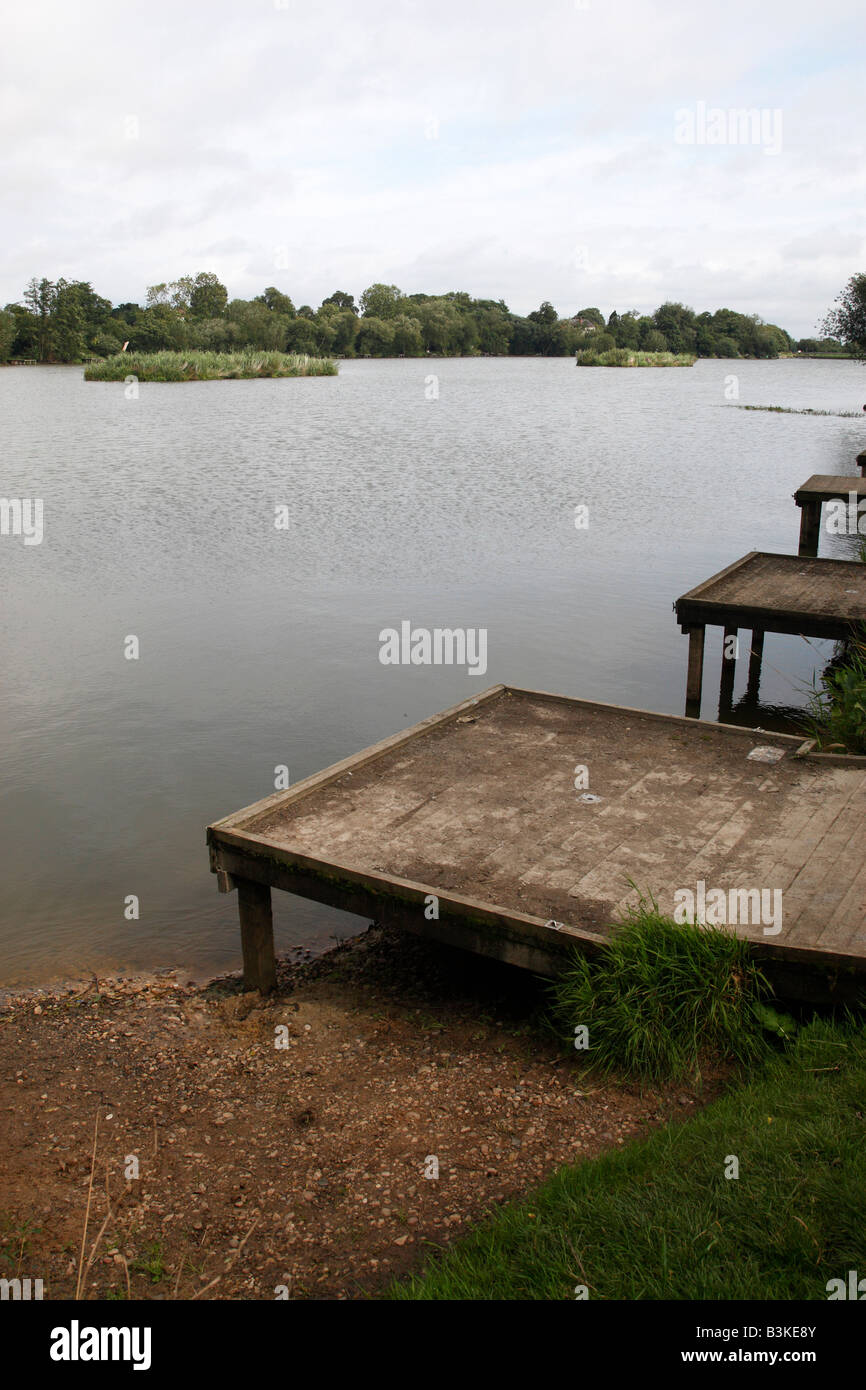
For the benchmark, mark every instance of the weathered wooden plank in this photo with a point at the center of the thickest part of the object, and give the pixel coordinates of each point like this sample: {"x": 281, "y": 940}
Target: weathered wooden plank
{"x": 826, "y": 487}
{"x": 478, "y": 814}
{"x": 780, "y": 593}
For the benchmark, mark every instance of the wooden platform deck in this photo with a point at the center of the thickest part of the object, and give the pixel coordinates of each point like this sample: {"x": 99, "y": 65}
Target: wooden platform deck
{"x": 469, "y": 828}
{"x": 769, "y": 593}
{"x": 821, "y": 488}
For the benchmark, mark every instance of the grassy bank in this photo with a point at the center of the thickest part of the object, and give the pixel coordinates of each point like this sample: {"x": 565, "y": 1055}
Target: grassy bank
{"x": 625, "y": 357}
{"x": 661, "y": 1220}
{"x": 207, "y": 366}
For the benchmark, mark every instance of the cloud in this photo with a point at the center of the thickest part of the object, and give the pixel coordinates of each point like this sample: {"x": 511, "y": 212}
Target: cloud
{"x": 477, "y": 145}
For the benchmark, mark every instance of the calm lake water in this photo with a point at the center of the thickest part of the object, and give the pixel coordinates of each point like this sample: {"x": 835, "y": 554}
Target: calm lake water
{"x": 260, "y": 646}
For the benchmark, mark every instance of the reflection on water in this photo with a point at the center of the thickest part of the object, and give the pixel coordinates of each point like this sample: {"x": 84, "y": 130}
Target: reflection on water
{"x": 259, "y": 647}
{"x": 752, "y": 714}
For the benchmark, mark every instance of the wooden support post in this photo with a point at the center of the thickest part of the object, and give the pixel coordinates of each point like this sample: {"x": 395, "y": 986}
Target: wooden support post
{"x": 810, "y": 528}
{"x": 754, "y": 683}
{"x": 694, "y": 680}
{"x": 861, "y": 460}
{"x": 729, "y": 671}
{"x": 257, "y": 935}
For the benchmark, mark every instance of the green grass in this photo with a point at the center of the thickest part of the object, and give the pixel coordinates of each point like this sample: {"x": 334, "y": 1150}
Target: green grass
{"x": 660, "y": 996}
{"x": 836, "y": 716}
{"x": 152, "y": 1262}
{"x": 207, "y": 366}
{"x": 628, "y": 357}
{"x": 659, "y": 1219}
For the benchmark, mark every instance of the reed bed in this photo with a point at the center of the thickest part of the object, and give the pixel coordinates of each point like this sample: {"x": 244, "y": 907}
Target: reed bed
{"x": 626, "y": 357}
{"x": 207, "y": 366}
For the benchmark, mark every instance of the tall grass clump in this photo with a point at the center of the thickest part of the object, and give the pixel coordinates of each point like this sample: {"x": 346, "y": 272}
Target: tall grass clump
{"x": 659, "y": 996}
{"x": 836, "y": 716}
{"x": 207, "y": 366}
{"x": 630, "y": 357}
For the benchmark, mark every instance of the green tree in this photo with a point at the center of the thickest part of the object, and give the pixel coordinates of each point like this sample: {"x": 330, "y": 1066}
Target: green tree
{"x": 157, "y": 295}
{"x": 325, "y": 334}
{"x": 678, "y": 324}
{"x": 27, "y": 328}
{"x": 181, "y": 294}
{"x": 301, "y": 335}
{"x": 375, "y": 337}
{"x": 208, "y": 297}
{"x": 654, "y": 341}
{"x": 407, "y": 336}
{"x": 847, "y": 321}
{"x": 68, "y": 323}
{"x": 8, "y": 331}
{"x": 276, "y": 302}
{"x": 106, "y": 344}
{"x": 494, "y": 329}
{"x": 442, "y": 325}
{"x": 342, "y": 300}
{"x": 159, "y": 326}
{"x": 39, "y": 299}
{"x": 381, "y": 301}
{"x": 525, "y": 333}
{"x": 346, "y": 325}
{"x": 550, "y": 334}
{"x": 628, "y": 329}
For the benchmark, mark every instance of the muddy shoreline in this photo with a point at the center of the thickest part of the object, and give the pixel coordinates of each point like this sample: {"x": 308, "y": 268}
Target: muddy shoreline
{"x": 231, "y": 1147}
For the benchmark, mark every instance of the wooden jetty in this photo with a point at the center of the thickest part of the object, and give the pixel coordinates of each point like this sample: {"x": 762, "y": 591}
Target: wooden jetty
{"x": 821, "y": 488}
{"x": 769, "y": 593}
{"x": 477, "y": 828}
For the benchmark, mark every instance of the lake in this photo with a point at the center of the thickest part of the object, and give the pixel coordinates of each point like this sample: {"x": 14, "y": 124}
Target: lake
{"x": 259, "y": 647}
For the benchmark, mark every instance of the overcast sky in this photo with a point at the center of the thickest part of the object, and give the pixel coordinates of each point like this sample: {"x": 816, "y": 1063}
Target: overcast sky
{"x": 514, "y": 150}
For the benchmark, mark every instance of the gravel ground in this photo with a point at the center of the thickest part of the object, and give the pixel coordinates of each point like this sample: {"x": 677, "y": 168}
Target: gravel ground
{"x": 230, "y": 1147}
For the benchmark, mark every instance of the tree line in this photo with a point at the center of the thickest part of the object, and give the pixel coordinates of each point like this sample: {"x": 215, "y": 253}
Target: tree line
{"x": 67, "y": 321}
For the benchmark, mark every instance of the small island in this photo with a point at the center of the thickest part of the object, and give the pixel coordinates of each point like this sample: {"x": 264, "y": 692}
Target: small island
{"x": 630, "y": 357}
{"x": 207, "y": 366}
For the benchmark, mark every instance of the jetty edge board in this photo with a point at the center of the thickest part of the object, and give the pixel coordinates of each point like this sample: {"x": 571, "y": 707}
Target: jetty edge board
{"x": 474, "y": 808}
{"x": 766, "y": 592}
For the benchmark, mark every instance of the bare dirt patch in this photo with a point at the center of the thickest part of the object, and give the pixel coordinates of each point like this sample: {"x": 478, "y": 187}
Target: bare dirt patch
{"x": 300, "y": 1165}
